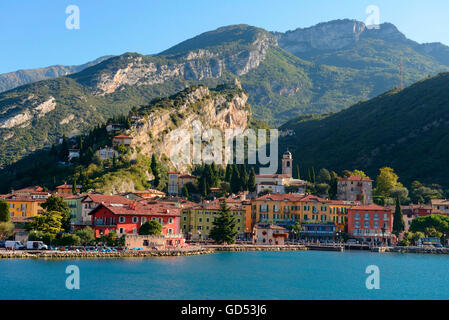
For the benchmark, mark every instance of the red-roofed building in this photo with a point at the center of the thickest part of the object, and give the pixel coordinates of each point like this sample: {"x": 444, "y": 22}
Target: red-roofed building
{"x": 355, "y": 189}
{"x": 371, "y": 224}
{"x": 67, "y": 190}
{"x": 128, "y": 218}
{"x": 91, "y": 201}
{"x": 121, "y": 139}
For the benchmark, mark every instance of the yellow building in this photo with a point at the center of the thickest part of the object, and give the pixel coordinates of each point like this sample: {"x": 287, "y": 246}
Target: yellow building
{"x": 286, "y": 209}
{"x": 22, "y": 207}
{"x": 339, "y": 212}
{"x": 197, "y": 220}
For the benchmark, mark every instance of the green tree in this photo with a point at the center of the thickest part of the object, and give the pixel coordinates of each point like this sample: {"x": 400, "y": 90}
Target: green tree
{"x": 150, "y": 228}
{"x": 235, "y": 180}
{"x": 4, "y": 211}
{"x": 6, "y": 230}
{"x": 185, "y": 192}
{"x": 48, "y": 222}
{"x": 252, "y": 180}
{"x": 398, "y": 219}
{"x": 57, "y": 203}
{"x": 228, "y": 173}
{"x": 435, "y": 221}
{"x": 297, "y": 172}
{"x": 68, "y": 239}
{"x": 224, "y": 228}
{"x": 386, "y": 180}
{"x": 74, "y": 185}
{"x": 86, "y": 234}
{"x": 324, "y": 176}
{"x": 243, "y": 177}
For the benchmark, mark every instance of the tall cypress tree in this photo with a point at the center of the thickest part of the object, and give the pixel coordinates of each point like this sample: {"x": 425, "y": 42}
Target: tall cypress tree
{"x": 297, "y": 173}
{"x": 224, "y": 228}
{"x": 398, "y": 219}
{"x": 243, "y": 178}
{"x": 228, "y": 173}
{"x": 235, "y": 180}
{"x": 252, "y": 180}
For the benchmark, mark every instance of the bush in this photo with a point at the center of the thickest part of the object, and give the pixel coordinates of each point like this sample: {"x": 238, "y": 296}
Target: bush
{"x": 87, "y": 235}
{"x": 47, "y": 238}
{"x": 150, "y": 228}
{"x": 68, "y": 239}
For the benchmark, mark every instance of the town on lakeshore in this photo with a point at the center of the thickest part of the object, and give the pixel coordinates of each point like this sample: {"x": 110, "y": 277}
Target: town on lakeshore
{"x": 237, "y": 207}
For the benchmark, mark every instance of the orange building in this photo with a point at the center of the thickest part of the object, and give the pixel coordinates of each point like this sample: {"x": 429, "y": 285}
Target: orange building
{"x": 66, "y": 190}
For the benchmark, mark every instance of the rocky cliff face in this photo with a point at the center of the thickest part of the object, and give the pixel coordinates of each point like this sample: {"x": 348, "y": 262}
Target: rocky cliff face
{"x": 195, "y": 65}
{"x": 218, "y": 111}
{"x": 333, "y": 35}
{"x": 18, "y": 78}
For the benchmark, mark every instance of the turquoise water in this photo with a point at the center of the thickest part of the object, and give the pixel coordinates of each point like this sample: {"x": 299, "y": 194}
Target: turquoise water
{"x": 246, "y": 275}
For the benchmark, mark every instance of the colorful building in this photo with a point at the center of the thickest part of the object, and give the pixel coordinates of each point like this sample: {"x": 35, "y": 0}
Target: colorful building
{"x": 287, "y": 209}
{"x": 339, "y": 212}
{"x": 65, "y": 190}
{"x": 76, "y": 210}
{"x": 91, "y": 201}
{"x": 121, "y": 139}
{"x": 371, "y": 224}
{"x": 23, "y": 207}
{"x": 128, "y": 218}
{"x": 197, "y": 220}
{"x": 269, "y": 234}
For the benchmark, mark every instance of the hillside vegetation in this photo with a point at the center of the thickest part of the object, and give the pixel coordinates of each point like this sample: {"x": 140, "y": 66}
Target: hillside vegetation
{"x": 407, "y": 130}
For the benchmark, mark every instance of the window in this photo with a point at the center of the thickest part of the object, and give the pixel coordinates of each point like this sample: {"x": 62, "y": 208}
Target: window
{"x": 200, "y": 219}
{"x": 207, "y": 219}
{"x": 121, "y": 219}
{"x": 185, "y": 218}
{"x": 170, "y": 220}
{"x": 376, "y": 224}
{"x": 366, "y": 225}
{"x": 121, "y": 230}
{"x": 135, "y": 219}
{"x": 385, "y": 216}
{"x": 144, "y": 220}
{"x": 376, "y": 216}
{"x": 357, "y": 216}
{"x": 366, "y": 216}
{"x": 134, "y": 231}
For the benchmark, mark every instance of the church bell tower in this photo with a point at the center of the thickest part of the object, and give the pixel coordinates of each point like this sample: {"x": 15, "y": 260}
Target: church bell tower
{"x": 287, "y": 164}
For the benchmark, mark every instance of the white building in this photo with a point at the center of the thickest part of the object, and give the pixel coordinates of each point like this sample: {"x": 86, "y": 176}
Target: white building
{"x": 106, "y": 153}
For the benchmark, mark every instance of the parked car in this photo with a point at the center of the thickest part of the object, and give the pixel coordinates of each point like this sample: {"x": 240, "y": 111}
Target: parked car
{"x": 14, "y": 245}
{"x": 36, "y": 245}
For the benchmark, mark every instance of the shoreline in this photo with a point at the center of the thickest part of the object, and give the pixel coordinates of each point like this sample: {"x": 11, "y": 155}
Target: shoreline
{"x": 208, "y": 249}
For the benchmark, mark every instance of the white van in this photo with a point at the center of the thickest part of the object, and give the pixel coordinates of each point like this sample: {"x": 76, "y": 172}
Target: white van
{"x": 14, "y": 245}
{"x": 36, "y": 245}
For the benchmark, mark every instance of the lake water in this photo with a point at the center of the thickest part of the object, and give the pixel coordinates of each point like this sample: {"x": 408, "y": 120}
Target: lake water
{"x": 242, "y": 275}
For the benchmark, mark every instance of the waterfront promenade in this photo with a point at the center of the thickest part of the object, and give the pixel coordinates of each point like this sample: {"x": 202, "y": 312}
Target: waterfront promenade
{"x": 209, "y": 249}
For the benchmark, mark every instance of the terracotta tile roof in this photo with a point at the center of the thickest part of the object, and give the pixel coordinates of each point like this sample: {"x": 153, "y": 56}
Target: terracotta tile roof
{"x": 355, "y": 178}
{"x": 68, "y": 186}
{"x": 30, "y": 189}
{"x": 122, "y": 137}
{"x": 281, "y": 197}
{"x": 141, "y": 209}
{"x": 101, "y": 198}
{"x": 370, "y": 207}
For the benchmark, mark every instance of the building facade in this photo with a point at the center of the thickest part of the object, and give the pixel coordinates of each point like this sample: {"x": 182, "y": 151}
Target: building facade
{"x": 128, "y": 218}
{"x": 355, "y": 189}
{"x": 197, "y": 220}
{"x": 371, "y": 224}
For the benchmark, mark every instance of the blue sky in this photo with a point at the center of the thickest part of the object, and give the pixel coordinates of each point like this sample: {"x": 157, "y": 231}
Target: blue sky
{"x": 33, "y": 33}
